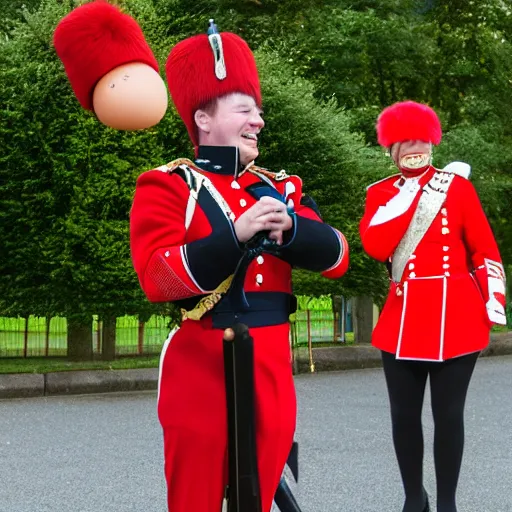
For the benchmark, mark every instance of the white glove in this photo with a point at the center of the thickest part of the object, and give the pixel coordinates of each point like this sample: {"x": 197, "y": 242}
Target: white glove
{"x": 496, "y": 311}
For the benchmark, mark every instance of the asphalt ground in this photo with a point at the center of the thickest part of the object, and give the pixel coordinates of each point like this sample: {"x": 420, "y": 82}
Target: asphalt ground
{"x": 103, "y": 453}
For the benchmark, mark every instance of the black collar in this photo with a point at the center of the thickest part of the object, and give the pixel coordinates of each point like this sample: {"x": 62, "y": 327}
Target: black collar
{"x": 219, "y": 159}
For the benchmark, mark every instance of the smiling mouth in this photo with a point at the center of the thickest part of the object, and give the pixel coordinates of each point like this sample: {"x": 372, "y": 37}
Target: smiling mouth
{"x": 415, "y": 160}
{"x": 250, "y": 136}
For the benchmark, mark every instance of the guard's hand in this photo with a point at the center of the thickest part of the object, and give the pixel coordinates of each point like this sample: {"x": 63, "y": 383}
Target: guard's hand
{"x": 268, "y": 214}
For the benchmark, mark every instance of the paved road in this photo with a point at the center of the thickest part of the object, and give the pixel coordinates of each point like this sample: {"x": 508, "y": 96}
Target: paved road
{"x": 103, "y": 453}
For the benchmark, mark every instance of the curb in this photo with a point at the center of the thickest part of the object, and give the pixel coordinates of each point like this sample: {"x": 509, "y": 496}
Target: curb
{"x": 350, "y": 357}
{"x": 21, "y": 385}
{"x": 77, "y": 382}
{"x": 501, "y": 345}
{"x": 353, "y": 357}
{"x": 100, "y": 381}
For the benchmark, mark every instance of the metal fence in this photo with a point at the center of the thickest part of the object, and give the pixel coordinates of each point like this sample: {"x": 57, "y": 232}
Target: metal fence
{"x": 47, "y": 337}
{"x": 318, "y": 326}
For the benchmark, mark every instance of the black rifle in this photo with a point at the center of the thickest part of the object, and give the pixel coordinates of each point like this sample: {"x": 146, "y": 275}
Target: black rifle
{"x": 243, "y": 491}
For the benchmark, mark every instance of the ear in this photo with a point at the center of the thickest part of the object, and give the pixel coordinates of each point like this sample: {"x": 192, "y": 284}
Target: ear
{"x": 203, "y": 121}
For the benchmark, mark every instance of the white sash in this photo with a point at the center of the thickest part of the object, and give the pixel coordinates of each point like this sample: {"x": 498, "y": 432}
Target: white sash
{"x": 431, "y": 201}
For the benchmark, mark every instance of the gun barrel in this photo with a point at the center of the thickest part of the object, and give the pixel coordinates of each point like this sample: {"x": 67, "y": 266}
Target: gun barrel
{"x": 243, "y": 494}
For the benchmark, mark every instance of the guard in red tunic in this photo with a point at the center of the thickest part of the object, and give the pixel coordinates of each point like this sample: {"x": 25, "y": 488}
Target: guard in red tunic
{"x": 190, "y": 223}
{"x": 447, "y": 288}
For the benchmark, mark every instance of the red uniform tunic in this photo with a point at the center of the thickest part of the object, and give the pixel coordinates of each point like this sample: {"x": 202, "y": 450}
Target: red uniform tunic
{"x": 182, "y": 249}
{"x": 452, "y": 288}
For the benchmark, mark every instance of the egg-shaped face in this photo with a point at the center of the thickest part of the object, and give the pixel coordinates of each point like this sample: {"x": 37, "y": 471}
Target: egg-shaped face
{"x": 130, "y": 97}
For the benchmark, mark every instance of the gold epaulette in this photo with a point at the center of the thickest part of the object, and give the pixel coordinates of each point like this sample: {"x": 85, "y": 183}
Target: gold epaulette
{"x": 172, "y": 166}
{"x": 207, "y": 303}
{"x": 276, "y": 176}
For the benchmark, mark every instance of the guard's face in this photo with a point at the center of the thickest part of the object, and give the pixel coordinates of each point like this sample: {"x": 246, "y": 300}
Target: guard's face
{"x": 236, "y": 121}
{"x": 411, "y": 154}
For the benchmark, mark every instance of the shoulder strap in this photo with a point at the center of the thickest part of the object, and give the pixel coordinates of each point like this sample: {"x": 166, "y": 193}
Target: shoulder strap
{"x": 196, "y": 180}
{"x": 460, "y": 168}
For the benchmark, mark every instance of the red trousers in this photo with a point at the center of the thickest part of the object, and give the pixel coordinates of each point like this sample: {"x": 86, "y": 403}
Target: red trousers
{"x": 192, "y": 412}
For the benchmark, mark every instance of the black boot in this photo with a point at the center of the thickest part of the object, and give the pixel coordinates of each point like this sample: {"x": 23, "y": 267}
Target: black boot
{"x": 410, "y": 506}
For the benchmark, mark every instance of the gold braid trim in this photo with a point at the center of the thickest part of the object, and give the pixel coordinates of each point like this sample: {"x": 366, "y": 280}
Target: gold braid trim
{"x": 276, "y": 176}
{"x": 207, "y": 303}
{"x": 172, "y": 166}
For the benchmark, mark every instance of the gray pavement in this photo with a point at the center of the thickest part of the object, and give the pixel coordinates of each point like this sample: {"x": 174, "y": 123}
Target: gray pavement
{"x": 102, "y": 453}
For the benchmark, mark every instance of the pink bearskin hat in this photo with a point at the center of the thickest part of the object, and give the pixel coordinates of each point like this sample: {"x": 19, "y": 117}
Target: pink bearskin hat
{"x": 200, "y": 69}
{"x": 94, "y": 39}
{"x": 408, "y": 120}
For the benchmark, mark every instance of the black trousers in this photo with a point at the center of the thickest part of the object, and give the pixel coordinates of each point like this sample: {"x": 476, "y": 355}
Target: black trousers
{"x": 449, "y": 381}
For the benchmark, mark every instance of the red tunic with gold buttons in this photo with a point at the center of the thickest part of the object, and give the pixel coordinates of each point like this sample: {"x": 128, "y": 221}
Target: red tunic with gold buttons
{"x": 451, "y": 289}
{"x": 184, "y": 249}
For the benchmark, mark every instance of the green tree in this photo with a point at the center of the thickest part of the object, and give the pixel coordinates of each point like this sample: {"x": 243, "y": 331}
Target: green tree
{"x": 66, "y": 187}
{"x": 12, "y": 11}
{"x": 327, "y": 69}
{"x": 67, "y": 181}
{"x": 314, "y": 141}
